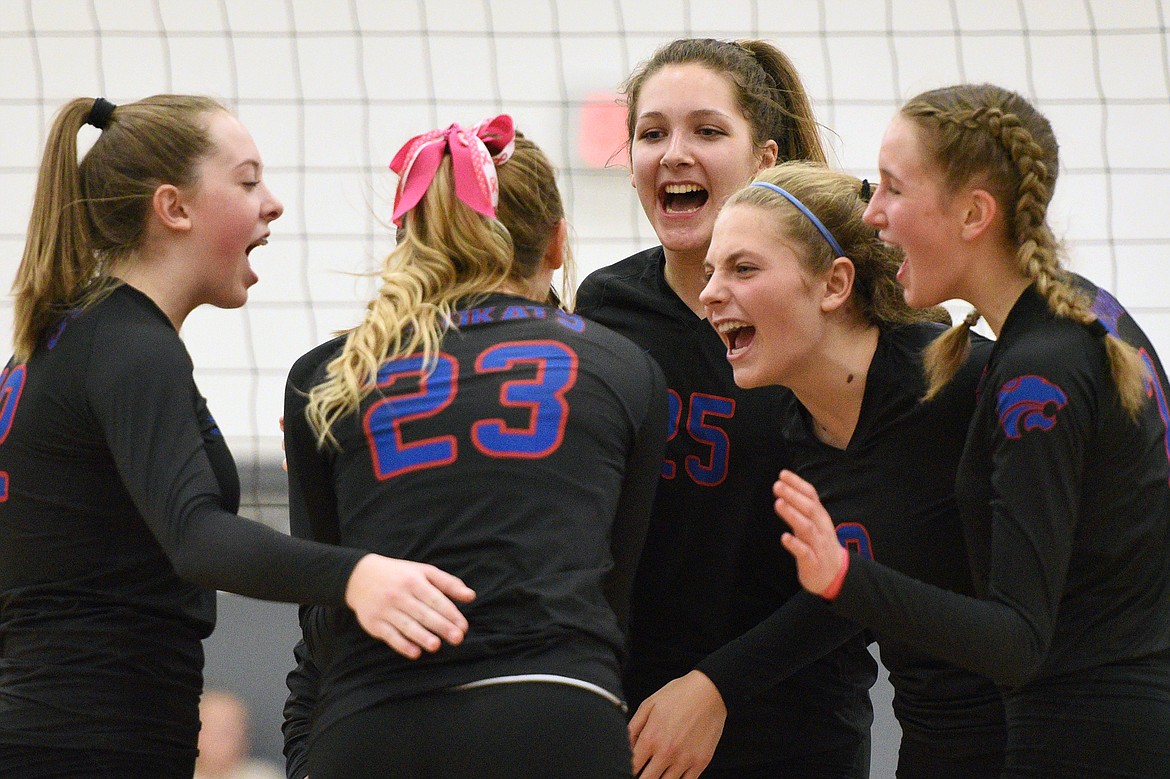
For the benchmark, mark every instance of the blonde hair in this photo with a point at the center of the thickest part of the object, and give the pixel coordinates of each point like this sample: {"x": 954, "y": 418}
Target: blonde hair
{"x": 838, "y": 201}
{"x": 90, "y": 213}
{"x": 767, "y": 86}
{"x": 447, "y": 255}
{"x": 993, "y": 138}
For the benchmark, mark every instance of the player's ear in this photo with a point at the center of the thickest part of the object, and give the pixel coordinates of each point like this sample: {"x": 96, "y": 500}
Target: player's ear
{"x": 838, "y": 284}
{"x": 768, "y": 155}
{"x": 169, "y": 206}
{"x": 979, "y": 211}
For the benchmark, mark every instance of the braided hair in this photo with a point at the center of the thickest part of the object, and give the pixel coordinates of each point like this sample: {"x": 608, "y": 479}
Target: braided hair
{"x": 993, "y": 138}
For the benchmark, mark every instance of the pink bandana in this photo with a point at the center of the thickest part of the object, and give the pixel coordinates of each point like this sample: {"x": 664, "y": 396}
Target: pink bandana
{"x": 475, "y": 152}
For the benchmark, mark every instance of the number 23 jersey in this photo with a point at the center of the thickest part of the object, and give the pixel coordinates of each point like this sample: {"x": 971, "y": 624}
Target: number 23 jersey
{"x": 524, "y": 463}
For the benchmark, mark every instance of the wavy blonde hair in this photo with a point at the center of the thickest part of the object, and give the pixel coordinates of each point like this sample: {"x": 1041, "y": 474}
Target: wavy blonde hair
{"x": 991, "y": 137}
{"x": 447, "y": 256}
{"x": 89, "y": 214}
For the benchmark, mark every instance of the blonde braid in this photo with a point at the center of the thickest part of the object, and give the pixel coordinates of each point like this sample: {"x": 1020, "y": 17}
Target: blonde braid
{"x": 985, "y": 133}
{"x": 1039, "y": 258}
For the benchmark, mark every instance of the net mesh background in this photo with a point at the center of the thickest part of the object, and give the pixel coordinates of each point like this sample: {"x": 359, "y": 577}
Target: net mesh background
{"x": 331, "y": 88}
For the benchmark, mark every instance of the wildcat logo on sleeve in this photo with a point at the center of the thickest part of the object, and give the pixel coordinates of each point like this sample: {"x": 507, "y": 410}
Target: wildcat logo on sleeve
{"x": 1029, "y": 403}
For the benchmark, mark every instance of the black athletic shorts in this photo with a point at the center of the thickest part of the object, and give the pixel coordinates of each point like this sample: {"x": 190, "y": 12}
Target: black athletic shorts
{"x": 526, "y": 730}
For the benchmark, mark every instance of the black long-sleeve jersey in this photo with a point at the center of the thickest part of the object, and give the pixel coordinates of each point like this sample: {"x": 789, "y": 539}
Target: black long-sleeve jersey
{"x": 524, "y": 463}
{"x": 713, "y": 566}
{"x": 1066, "y": 508}
{"x": 891, "y": 493}
{"x": 116, "y": 500}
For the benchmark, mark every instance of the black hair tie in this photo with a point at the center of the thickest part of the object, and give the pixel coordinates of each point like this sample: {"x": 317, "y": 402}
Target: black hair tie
{"x": 866, "y": 191}
{"x": 99, "y": 115}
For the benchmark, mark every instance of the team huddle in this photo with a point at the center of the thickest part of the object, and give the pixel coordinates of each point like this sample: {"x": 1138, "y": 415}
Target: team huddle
{"x": 647, "y": 527}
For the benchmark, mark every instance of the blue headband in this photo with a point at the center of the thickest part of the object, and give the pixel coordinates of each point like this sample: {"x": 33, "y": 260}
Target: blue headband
{"x": 804, "y": 210}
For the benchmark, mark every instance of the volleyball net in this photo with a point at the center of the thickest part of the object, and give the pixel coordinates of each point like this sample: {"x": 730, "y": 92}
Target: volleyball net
{"x": 331, "y": 88}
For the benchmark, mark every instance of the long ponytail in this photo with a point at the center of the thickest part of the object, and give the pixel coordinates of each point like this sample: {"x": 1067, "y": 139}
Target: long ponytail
{"x": 448, "y": 255}
{"x": 58, "y": 251}
{"x": 88, "y": 213}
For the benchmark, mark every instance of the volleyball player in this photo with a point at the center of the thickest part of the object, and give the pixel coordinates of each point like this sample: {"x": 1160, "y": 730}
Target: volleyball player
{"x": 803, "y": 293}
{"x": 468, "y": 424}
{"x": 704, "y": 117}
{"x": 1064, "y": 483}
{"x": 117, "y": 490}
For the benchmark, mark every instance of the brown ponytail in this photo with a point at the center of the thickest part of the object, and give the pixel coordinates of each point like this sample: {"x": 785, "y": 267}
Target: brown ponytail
{"x": 89, "y": 213}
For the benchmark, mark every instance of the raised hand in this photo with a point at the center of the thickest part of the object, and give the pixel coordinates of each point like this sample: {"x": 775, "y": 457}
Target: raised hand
{"x": 813, "y": 540}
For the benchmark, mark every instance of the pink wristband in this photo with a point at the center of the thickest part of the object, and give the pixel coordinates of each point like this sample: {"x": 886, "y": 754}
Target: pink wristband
{"x": 834, "y": 588}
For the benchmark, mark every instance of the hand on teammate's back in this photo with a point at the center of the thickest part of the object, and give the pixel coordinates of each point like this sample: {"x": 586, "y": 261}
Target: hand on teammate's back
{"x": 408, "y": 605}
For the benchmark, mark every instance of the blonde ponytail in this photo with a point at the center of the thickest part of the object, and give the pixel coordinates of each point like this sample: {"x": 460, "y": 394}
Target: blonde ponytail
{"x": 947, "y": 353}
{"x": 448, "y": 256}
{"x": 58, "y": 251}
